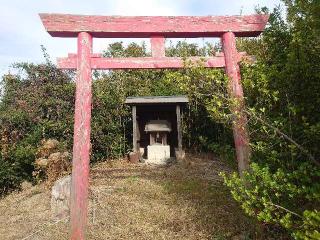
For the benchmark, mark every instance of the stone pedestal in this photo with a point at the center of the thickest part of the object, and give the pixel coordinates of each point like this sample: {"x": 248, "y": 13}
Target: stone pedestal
{"x": 158, "y": 154}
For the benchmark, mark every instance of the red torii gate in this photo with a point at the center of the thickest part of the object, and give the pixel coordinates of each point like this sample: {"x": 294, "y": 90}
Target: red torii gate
{"x": 157, "y": 29}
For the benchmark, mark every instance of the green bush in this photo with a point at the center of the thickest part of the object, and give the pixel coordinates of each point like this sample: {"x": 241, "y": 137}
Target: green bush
{"x": 289, "y": 199}
{"x": 282, "y": 88}
{"x": 38, "y": 103}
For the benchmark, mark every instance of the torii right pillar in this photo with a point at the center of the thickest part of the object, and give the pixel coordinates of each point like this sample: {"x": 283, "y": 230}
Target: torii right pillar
{"x": 239, "y": 123}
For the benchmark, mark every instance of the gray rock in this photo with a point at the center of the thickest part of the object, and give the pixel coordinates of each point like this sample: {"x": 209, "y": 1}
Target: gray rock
{"x": 60, "y": 198}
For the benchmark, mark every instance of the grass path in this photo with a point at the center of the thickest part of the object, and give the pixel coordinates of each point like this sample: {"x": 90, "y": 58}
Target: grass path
{"x": 185, "y": 200}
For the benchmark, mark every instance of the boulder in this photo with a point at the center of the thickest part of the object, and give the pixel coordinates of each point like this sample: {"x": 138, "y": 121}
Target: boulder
{"x": 60, "y": 198}
{"x": 134, "y": 157}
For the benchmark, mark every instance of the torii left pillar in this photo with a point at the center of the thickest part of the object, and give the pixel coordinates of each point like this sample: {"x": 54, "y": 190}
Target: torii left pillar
{"x": 81, "y": 146}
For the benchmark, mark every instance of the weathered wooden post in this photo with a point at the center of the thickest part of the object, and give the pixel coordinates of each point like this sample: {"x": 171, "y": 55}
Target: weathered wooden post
{"x": 178, "y": 112}
{"x": 134, "y": 129}
{"x": 240, "y": 131}
{"x": 81, "y": 141}
{"x": 157, "y": 46}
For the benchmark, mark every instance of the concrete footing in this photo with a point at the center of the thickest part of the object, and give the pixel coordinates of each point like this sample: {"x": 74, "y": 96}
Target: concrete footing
{"x": 180, "y": 155}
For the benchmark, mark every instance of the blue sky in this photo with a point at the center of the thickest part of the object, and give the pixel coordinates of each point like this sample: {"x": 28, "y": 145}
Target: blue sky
{"x": 22, "y": 33}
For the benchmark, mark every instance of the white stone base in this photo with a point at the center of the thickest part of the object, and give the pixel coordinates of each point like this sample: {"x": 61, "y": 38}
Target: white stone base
{"x": 158, "y": 154}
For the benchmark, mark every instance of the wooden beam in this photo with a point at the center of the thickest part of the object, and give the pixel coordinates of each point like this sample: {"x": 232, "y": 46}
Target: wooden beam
{"x": 240, "y": 131}
{"x": 67, "y": 25}
{"x": 178, "y": 112}
{"x": 134, "y": 127}
{"x": 157, "y": 46}
{"x": 81, "y": 140}
{"x": 157, "y": 100}
{"x": 144, "y": 62}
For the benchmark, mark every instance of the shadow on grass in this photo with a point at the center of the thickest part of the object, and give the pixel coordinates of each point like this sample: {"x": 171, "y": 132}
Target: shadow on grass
{"x": 216, "y": 212}
{"x": 194, "y": 183}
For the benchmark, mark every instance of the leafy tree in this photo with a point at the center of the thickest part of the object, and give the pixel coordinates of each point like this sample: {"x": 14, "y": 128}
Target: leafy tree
{"x": 282, "y": 90}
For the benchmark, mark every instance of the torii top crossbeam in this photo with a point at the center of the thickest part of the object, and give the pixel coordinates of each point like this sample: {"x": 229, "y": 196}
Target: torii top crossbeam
{"x": 65, "y": 25}
{"x": 155, "y": 28}
{"x": 84, "y": 28}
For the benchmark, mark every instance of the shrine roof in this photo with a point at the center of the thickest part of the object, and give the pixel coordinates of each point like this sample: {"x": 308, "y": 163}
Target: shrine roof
{"x": 156, "y": 100}
{"x": 158, "y": 126}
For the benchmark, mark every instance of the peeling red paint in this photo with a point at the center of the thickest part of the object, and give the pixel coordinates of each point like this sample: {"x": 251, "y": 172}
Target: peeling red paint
{"x": 240, "y": 132}
{"x": 66, "y": 25}
{"x": 157, "y": 46}
{"x": 144, "y": 62}
{"x": 81, "y": 140}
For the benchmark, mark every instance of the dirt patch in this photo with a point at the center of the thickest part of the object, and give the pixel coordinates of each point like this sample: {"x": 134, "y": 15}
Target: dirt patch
{"x": 184, "y": 200}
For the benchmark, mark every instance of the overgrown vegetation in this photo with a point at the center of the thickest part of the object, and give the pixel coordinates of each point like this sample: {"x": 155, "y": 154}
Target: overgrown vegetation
{"x": 282, "y": 90}
{"x": 282, "y": 97}
{"x": 38, "y": 103}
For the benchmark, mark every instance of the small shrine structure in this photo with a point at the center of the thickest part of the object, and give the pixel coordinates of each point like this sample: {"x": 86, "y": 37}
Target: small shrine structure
{"x": 157, "y": 129}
